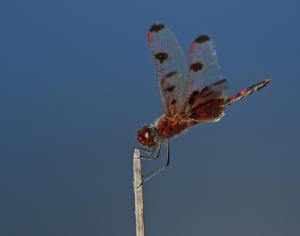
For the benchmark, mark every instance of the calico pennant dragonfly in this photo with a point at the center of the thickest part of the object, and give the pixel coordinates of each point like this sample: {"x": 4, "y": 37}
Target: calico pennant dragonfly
{"x": 192, "y": 92}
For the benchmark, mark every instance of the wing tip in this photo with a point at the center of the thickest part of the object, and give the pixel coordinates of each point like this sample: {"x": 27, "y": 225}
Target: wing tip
{"x": 157, "y": 27}
{"x": 202, "y": 38}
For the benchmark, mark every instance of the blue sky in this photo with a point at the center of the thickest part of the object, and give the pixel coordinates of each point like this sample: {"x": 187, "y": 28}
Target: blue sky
{"x": 77, "y": 81}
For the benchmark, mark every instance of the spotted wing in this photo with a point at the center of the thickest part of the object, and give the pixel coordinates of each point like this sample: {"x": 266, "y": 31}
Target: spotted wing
{"x": 170, "y": 65}
{"x": 205, "y": 81}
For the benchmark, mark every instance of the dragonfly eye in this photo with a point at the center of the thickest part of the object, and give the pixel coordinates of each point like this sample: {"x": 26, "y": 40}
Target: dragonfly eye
{"x": 145, "y": 136}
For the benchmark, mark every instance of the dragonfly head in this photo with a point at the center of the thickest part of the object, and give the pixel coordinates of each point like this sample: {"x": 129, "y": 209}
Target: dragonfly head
{"x": 146, "y": 136}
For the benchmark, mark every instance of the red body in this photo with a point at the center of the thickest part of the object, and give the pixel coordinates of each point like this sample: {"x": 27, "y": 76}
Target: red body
{"x": 167, "y": 127}
{"x": 212, "y": 110}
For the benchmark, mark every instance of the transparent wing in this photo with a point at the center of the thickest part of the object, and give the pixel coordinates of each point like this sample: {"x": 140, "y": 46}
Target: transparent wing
{"x": 170, "y": 65}
{"x": 205, "y": 81}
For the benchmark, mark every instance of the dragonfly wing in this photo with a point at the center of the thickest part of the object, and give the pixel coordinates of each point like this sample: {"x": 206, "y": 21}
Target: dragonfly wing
{"x": 205, "y": 81}
{"x": 170, "y": 66}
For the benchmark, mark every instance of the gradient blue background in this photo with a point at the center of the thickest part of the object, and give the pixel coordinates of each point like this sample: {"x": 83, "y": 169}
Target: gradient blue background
{"x": 77, "y": 81}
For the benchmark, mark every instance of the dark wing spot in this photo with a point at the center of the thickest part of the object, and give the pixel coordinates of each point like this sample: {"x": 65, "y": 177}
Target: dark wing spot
{"x": 206, "y": 91}
{"x": 170, "y": 88}
{"x": 167, "y": 76}
{"x": 193, "y": 96}
{"x": 219, "y": 82}
{"x": 202, "y": 39}
{"x": 156, "y": 27}
{"x": 210, "y": 110}
{"x": 161, "y": 56}
{"x": 173, "y": 102}
{"x": 196, "y": 66}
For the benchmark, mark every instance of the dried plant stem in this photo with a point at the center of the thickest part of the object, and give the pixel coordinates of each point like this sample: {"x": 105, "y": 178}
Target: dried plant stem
{"x": 138, "y": 194}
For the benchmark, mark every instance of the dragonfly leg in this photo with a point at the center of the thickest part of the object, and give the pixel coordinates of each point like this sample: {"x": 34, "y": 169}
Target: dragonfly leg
{"x": 152, "y": 154}
{"x": 151, "y": 174}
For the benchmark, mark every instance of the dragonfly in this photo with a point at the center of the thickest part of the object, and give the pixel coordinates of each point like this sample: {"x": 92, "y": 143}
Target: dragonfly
{"x": 192, "y": 91}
